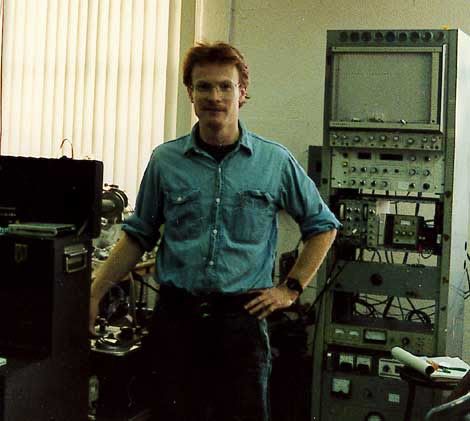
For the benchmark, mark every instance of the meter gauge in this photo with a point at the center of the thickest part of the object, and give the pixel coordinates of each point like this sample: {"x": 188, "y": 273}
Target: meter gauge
{"x": 375, "y": 336}
{"x": 374, "y": 416}
{"x": 340, "y": 386}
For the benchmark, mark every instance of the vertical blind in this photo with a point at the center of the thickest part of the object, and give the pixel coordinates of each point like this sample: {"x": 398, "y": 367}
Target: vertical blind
{"x": 94, "y": 72}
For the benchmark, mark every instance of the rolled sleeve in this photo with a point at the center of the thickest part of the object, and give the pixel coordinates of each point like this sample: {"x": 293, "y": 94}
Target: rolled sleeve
{"x": 301, "y": 199}
{"x": 143, "y": 225}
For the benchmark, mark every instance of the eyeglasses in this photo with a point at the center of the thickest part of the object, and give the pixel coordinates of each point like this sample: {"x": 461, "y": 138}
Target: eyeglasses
{"x": 226, "y": 89}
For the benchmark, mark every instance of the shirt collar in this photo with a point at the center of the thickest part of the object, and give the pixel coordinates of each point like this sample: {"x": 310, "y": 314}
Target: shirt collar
{"x": 245, "y": 142}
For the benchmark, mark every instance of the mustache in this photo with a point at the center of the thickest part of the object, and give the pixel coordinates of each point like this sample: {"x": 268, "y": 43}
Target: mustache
{"x": 214, "y": 108}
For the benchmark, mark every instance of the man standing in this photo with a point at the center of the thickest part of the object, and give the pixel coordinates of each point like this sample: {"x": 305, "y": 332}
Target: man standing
{"x": 217, "y": 191}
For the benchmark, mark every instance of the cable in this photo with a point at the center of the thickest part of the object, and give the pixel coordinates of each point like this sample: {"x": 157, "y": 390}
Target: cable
{"x": 426, "y": 256}
{"x": 401, "y": 309}
{"x": 405, "y": 258}
{"x": 147, "y": 284}
{"x": 372, "y": 305}
{"x": 314, "y": 338}
{"x": 376, "y": 253}
{"x": 328, "y": 283}
{"x": 417, "y": 208}
{"x": 423, "y": 317}
{"x": 387, "y": 307}
{"x": 368, "y": 306}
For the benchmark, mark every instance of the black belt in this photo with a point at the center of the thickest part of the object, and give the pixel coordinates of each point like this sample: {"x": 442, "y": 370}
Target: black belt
{"x": 204, "y": 305}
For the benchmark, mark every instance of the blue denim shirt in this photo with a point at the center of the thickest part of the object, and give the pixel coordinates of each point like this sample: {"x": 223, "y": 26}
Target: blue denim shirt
{"x": 220, "y": 219}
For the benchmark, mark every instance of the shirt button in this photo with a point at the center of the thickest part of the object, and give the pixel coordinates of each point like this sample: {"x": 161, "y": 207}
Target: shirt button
{"x": 214, "y": 231}
{"x": 217, "y": 200}
{"x": 211, "y": 263}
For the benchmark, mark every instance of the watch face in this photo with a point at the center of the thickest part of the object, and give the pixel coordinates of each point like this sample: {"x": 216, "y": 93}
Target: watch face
{"x": 294, "y": 285}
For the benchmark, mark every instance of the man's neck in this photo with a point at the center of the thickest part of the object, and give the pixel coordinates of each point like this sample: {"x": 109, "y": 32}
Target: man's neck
{"x": 216, "y": 136}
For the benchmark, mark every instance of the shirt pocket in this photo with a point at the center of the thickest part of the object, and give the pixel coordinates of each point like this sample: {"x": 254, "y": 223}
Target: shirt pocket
{"x": 183, "y": 214}
{"x": 253, "y": 216}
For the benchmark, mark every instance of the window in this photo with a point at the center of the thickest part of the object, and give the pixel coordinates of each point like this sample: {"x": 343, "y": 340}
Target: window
{"x": 95, "y": 72}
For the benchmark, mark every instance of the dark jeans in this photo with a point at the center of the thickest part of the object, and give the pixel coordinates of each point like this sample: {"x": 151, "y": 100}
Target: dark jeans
{"x": 209, "y": 362}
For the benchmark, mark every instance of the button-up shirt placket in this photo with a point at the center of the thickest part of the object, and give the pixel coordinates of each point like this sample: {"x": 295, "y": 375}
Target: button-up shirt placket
{"x": 216, "y": 223}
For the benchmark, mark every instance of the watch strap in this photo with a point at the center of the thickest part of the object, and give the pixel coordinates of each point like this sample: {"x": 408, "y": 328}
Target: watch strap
{"x": 294, "y": 285}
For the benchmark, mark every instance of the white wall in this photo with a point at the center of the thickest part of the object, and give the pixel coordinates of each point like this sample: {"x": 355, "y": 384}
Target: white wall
{"x": 284, "y": 42}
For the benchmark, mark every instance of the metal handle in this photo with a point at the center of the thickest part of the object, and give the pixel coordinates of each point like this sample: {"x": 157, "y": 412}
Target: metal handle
{"x": 75, "y": 258}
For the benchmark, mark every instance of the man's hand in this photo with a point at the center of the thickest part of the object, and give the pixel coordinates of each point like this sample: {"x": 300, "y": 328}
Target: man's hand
{"x": 271, "y": 299}
{"x": 94, "y": 308}
{"x": 123, "y": 257}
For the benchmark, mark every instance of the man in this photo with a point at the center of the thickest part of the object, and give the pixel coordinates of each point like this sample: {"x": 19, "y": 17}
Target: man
{"x": 217, "y": 192}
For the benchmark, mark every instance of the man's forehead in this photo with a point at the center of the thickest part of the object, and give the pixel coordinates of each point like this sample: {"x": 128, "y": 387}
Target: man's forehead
{"x": 215, "y": 71}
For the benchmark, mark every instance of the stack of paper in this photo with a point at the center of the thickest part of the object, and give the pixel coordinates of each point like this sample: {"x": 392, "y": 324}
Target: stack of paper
{"x": 448, "y": 369}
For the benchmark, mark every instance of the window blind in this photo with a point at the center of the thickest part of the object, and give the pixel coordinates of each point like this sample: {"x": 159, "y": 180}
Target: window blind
{"x": 94, "y": 72}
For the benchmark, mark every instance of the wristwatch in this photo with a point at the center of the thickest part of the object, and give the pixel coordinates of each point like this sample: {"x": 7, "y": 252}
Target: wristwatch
{"x": 294, "y": 285}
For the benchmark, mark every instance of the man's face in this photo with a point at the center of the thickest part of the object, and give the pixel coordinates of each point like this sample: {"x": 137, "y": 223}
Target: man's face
{"x": 216, "y": 95}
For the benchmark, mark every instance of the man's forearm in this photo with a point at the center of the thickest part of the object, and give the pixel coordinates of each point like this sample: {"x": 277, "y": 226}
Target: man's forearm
{"x": 122, "y": 259}
{"x": 312, "y": 256}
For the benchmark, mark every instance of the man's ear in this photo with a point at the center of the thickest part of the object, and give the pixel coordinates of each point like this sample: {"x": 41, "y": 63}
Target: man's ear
{"x": 241, "y": 99}
{"x": 190, "y": 94}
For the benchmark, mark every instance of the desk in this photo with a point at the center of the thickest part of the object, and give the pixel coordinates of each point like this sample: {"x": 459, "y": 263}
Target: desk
{"x": 415, "y": 378}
